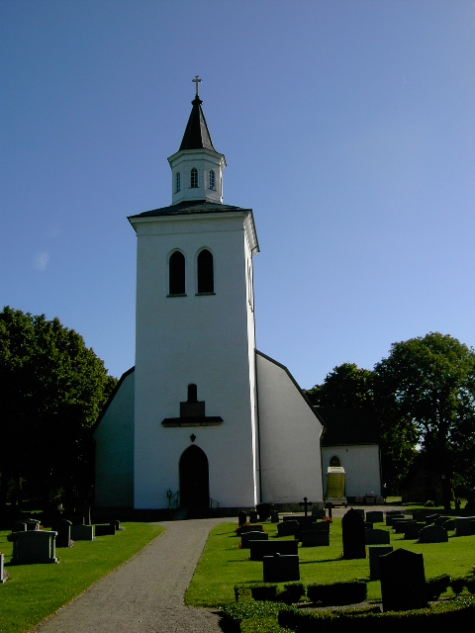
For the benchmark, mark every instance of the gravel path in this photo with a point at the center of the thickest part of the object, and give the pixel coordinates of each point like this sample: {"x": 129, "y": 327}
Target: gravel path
{"x": 145, "y": 595}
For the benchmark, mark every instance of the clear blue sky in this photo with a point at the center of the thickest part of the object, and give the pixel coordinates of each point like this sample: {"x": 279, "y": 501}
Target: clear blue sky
{"x": 348, "y": 126}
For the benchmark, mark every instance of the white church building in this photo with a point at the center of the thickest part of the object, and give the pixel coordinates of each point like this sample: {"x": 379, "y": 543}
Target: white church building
{"x": 203, "y": 418}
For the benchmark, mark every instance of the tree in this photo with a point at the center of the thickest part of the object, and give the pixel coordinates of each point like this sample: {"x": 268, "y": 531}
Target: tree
{"x": 52, "y": 389}
{"x": 351, "y": 387}
{"x": 429, "y": 382}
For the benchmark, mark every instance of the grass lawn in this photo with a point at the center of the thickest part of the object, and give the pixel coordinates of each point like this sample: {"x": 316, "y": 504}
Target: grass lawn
{"x": 223, "y": 565}
{"x": 34, "y": 592}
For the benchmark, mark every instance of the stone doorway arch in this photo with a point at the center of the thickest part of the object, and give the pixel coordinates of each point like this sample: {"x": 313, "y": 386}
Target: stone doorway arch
{"x": 194, "y": 478}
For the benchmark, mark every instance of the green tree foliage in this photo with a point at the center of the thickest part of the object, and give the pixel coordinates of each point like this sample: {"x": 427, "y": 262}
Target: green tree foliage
{"x": 345, "y": 386}
{"x": 52, "y": 390}
{"x": 429, "y": 382}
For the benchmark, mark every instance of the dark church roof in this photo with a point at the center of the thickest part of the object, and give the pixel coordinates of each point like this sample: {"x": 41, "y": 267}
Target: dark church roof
{"x": 188, "y": 207}
{"x": 196, "y": 134}
{"x": 348, "y": 426}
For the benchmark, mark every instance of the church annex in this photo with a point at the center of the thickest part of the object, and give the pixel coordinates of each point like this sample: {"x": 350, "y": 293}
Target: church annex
{"x": 203, "y": 418}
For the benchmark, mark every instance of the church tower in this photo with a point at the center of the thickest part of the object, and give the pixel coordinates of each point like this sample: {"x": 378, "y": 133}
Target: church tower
{"x": 195, "y": 401}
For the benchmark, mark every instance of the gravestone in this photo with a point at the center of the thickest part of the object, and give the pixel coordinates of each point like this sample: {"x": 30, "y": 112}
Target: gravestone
{"x": 304, "y": 504}
{"x": 319, "y": 526}
{"x": 20, "y": 526}
{"x": 442, "y": 519}
{"x": 242, "y": 518}
{"x": 288, "y": 528}
{"x": 106, "y": 530}
{"x": 374, "y": 554}
{"x": 375, "y": 516}
{"x": 318, "y": 513}
{"x": 253, "y": 536}
{"x": 257, "y": 527}
{"x": 353, "y": 534}
{"x": 431, "y": 518}
{"x": 403, "y": 584}
{"x": 34, "y": 546}
{"x": 313, "y": 538}
{"x": 390, "y": 518}
{"x": 279, "y": 568}
{"x": 464, "y": 526}
{"x": 259, "y": 549}
{"x": 32, "y": 524}
{"x": 433, "y": 534}
{"x": 274, "y": 516}
{"x": 253, "y": 516}
{"x": 411, "y": 533}
{"x": 377, "y": 537}
{"x": 400, "y": 525}
{"x": 118, "y": 525}
{"x": 64, "y": 534}
{"x": 82, "y": 532}
{"x": 449, "y": 524}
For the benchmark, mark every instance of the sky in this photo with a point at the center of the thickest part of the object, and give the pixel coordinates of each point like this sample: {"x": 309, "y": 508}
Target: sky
{"x": 348, "y": 127}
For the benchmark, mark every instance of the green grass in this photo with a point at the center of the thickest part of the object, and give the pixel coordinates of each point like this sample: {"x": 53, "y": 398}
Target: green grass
{"x": 223, "y": 565}
{"x": 34, "y": 592}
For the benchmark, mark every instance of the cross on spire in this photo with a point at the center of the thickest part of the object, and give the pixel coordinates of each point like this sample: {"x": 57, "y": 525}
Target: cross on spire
{"x": 197, "y": 81}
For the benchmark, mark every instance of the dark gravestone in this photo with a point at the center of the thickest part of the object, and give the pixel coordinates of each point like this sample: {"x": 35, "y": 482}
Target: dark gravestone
{"x": 33, "y": 546}
{"x": 118, "y": 526}
{"x": 253, "y": 536}
{"x": 403, "y": 585}
{"x": 314, "y": 538}
{"x": 32, "y": 524}
{"x": 64, "y": 534}
{"x": 375, "y": 516}
{"x": 82, "y": 532}
{"x": 374, "y": 554}
{"x": 449, "y": 524}
{"x": 433, "y": 534}
{"x": 288, "y": 528}
{"x": 368, "y": 525}
{"x": 353, "y": 533}
{"x": 279, "y": 568}
{"x": 411, "y": 533}
{"x": 318, "y": 513}
{"x": 431, "y": 518}
{"x": 20, "y": 526}
{"x": 390, "y": 518}
{"x": 106, "y": 530}
{"x": 441, "y": 519}
{"x": 319, "y": 526}
{"x": 377, "y": 537}
{"x": 463, "y": 526}
{"x": 253, "y": 516}
{"x": 400, "y": 525}
{"x": 257, "y": 527}
{"x": 259, "y": 549}
{"x": 242, "y": 518}
{"x": 274, "y": 516}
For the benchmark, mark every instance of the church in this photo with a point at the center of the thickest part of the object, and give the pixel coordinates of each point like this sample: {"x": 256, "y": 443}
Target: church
{"x": 203, "y": 419}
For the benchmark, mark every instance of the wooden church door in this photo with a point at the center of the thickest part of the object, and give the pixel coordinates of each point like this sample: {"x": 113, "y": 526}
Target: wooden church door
{"x": 194, "y": 478}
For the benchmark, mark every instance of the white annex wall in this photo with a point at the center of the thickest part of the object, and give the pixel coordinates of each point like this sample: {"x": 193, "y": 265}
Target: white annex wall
{"x": 204, "y": 340}
{"x": 362, "y": 467}
{"x": 289, "y": 437}
{"x": 114, "y": 438}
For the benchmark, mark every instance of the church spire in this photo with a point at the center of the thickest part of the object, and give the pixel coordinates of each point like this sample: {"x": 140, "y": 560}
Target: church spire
{"x": 197, "y": 168}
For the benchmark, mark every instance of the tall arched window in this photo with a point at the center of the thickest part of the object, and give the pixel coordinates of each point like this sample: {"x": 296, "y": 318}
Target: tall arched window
{"x": 194, "y": 178}
{"x": 335, "y": 461}
{"x": 205, "y": 272}
{"x": 212, "y": 180}
{"x": 177, "y": 182}
{"x": 176, "y": 274}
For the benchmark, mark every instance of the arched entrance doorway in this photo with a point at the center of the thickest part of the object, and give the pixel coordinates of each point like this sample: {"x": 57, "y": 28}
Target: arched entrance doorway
{"x": 194, "y": 478}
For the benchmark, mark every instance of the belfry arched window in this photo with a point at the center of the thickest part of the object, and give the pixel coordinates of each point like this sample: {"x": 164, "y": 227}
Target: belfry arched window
{"x": 212, "y": 180}
{"x": 205, "y": 272}
{"x": 177, "y": 182}
{"x": 194, "y": 178}
{"x": 335, "y": 461}
{"x": 176, "y": 274}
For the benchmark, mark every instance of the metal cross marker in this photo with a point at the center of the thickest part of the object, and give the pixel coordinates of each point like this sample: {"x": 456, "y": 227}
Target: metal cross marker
{"x": 197, "y": 81}
{"x": 305, "y": 503}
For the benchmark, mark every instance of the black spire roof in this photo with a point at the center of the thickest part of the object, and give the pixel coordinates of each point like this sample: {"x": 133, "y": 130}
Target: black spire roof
{"x": 196, "y": 135}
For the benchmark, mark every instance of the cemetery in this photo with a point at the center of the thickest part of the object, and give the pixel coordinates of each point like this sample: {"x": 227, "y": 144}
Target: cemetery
{"x": 385, "y": 575}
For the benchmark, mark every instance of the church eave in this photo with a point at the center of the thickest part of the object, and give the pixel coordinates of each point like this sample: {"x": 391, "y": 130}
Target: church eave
{"x": 191, "y": 207}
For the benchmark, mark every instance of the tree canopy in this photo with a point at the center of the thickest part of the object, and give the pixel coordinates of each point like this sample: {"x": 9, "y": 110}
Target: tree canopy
{"x": 52, "y": 390}
{"x": 430, "y": 383}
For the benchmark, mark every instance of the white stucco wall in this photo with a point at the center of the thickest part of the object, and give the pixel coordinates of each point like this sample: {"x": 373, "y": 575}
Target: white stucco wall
{"x": 361, "y": 464}
{"x": 289, "y": 434}
{"x": 114, "y": 438}
{"x": 205, "y": 340}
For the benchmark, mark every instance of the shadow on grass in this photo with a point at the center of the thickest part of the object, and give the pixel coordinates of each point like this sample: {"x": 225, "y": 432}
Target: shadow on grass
{"x": 327, "y": 560}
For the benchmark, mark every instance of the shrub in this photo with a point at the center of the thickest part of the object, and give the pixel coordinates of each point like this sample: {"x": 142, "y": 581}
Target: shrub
{"x": 338, "y": 593}
{"x": 242, "y": 593}
{"x": 457, "y": 585}
{"x": 236, "y": 613}
{"x": 291, "y": 593}
{"x": 264, "y": 592}
{"x": 436, "y": 586}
